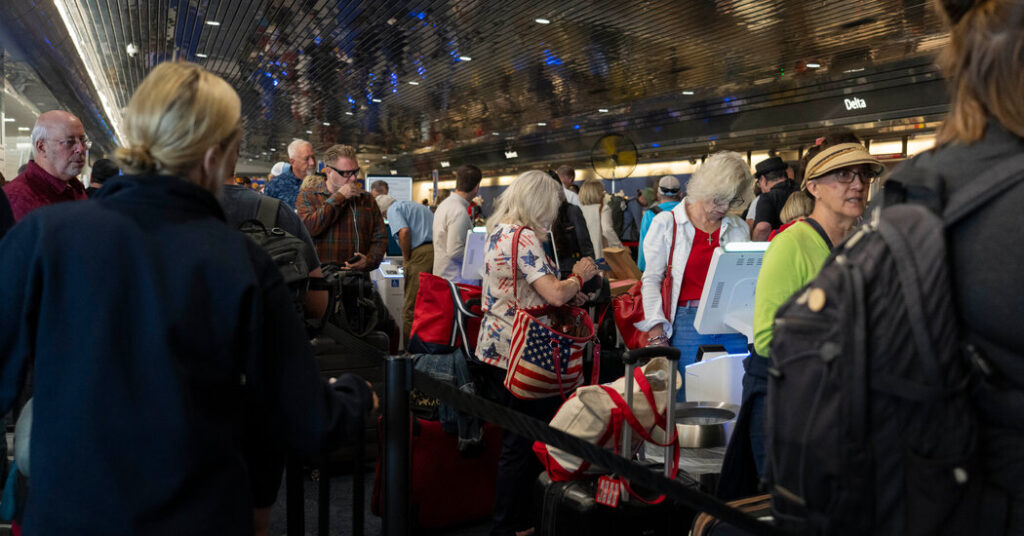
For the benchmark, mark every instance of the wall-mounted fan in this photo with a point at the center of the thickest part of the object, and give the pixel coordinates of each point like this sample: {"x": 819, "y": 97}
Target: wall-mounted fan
{"x": 613, "y": 157}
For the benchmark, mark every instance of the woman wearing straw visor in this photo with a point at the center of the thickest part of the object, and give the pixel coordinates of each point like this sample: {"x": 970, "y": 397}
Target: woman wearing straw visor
{"x": 699, "y": 224}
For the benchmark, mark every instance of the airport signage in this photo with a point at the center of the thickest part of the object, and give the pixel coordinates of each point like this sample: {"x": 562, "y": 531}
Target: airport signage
{"x": 855, "y": 104}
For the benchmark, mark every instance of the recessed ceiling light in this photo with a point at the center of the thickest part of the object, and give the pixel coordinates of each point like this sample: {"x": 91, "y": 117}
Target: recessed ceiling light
{"x": 376, "y": 100}
{"x": 273, "y": 149}
{"x": 212, "y": 23}
{"x": 603, "y": 110}
{"x": 326, "y": 124}
{"x": 495, "y": 134}
{"x": 687, "y": 93}
{"x": 414, "y": 83}
{"x": 309, "y": 132}
{"x": 348, "y": 113}
{"x": 465, "y": 58}
{"x": 542, "y": 124}
{"x": 201, "y": 55}
{"x": 542, "y": 21}
{"x": 813, "y": 65}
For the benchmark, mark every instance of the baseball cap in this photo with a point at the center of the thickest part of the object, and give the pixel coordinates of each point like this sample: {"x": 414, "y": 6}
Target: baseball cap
{"x": 668, "y": 185}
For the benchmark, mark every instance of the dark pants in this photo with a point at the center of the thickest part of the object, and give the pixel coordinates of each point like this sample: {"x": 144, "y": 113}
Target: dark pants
{"x": 518, "y": 467}
{"x": 755, "y": 389}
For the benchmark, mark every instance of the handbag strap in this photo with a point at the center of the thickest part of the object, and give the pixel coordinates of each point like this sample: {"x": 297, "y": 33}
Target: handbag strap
{"x": 515, "y": 264}
{"x": 626, "y": 413}
{"x": 667, "y": 307}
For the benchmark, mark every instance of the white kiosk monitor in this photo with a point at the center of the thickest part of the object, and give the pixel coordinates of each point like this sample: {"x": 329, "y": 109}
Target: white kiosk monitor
{"x": 727, "y": 301}
{"x": 473, "y": 255}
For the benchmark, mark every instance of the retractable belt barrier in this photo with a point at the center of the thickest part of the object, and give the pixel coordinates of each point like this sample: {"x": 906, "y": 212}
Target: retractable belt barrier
{"x": 400, "y": 378}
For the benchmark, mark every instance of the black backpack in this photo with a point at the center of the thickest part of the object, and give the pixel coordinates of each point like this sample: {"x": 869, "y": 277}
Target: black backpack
{"x": 870, "y": 426}
{"x": 288, "y": 252}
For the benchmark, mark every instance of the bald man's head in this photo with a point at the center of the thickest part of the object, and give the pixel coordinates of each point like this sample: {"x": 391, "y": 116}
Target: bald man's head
{"x": 59, "y": 144}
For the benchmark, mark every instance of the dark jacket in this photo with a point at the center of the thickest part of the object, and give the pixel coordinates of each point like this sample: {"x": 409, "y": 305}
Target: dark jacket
{"x": 6, "y": 216}
{"x": 987, "y": 252}
{"x": 167, "y": 360}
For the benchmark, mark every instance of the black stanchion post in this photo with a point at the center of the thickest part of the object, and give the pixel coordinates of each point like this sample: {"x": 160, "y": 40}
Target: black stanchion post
{"x": 294, "y": 497}
{"x": 397, "y": 445}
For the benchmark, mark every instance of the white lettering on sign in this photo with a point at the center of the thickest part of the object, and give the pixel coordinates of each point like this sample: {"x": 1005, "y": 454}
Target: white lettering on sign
{"x": 511, "y": 154}
{"x": 855, "y": 104}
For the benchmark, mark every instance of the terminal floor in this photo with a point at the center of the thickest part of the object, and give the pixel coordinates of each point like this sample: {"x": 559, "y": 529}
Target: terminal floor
{"x": 341, "y": 512}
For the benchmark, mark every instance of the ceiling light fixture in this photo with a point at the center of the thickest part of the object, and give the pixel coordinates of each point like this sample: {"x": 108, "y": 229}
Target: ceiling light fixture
{"x": 212, "y": 23}
{"x": 603, "y": 110}
{"x": 23, "y": 129}
{"x": 348, "y": 113}
{"x": 273, "y": 149}
{"x": 445, "y": 164}
{"x": 687, "y": 93}
{"x": 542, "y": 21}
{"x": 414, "y": 83}
{"x": 465, "y": 58}
{"x": 495, "y": 134}
{"x": 394, "y": 172}
{"x": 201, "y": 55}
{"x": 376, "y": 100}
{"x": 309, "y": 132}
{"x": 326, "y": 124}
{"x": 92, "y": 65}
{"x": 813, "y": 65}
{"x": 542, "y": 124}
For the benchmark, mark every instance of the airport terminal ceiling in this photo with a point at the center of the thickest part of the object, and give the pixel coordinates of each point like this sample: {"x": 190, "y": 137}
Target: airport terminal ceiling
{"x": 418, "y": 82}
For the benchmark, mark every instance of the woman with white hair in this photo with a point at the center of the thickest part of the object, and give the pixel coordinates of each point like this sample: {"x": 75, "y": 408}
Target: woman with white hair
{"x": 699, "y": 224}
{"x": 530, "y": 204}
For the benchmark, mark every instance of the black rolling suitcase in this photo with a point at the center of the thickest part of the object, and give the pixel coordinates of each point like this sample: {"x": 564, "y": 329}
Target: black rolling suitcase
{"x": 569, "y": 508}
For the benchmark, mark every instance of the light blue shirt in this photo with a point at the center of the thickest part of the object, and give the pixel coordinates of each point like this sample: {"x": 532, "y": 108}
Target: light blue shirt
{"x": 413, "y": 216}
{"x": 644, "y": 225}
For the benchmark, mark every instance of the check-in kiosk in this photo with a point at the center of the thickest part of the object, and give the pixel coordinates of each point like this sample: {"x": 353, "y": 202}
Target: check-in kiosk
{"x": 473, "y": 255}
{"x": 726, "y": 306}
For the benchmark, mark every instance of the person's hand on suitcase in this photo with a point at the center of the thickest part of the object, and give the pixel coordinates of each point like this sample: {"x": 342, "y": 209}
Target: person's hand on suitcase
{"x": 356, "y": 266}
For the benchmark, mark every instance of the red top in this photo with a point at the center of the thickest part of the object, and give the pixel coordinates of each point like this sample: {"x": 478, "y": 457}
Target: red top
{"x": 697, "y": 265}
{"x": 783, "y": 228}
{"x": 35, "y": 188}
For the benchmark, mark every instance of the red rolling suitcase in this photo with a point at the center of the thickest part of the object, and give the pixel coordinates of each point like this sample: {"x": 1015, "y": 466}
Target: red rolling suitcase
{"x": 446, "y": 488}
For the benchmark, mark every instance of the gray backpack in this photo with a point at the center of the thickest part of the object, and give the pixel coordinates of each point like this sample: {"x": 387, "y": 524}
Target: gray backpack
{"x": 288, "y": 252}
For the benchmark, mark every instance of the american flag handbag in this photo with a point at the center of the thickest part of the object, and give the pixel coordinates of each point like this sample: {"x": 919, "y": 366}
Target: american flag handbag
{"x": 548, "y": 342}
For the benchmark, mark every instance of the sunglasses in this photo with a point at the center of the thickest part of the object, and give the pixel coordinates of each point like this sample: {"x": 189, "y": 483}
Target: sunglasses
{"x": 346, "y": 173}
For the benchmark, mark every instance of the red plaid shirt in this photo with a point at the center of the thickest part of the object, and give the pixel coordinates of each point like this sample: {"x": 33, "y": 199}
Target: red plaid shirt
{"x": 340, "y": 227}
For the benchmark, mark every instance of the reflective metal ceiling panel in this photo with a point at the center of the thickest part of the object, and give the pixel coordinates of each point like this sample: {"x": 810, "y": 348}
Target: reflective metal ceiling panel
{"x": 428, "y": 75}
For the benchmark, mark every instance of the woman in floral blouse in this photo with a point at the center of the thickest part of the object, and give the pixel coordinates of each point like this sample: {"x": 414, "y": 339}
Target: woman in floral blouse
{"x": 530, "y": 202}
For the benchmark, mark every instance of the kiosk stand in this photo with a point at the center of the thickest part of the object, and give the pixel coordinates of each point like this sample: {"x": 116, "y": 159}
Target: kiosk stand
{"x": 726, "y": 306}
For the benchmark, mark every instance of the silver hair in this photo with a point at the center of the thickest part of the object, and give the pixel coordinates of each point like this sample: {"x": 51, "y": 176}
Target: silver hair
{"x": 293, "y": 147}
{"x": 724, "y": 175}
{"x": 38, "y": 133}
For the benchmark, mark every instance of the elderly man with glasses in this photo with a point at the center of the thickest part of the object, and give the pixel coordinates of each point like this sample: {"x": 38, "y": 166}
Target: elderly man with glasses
{"x": 346, "y": 225}
{"x": 59, "y": 151}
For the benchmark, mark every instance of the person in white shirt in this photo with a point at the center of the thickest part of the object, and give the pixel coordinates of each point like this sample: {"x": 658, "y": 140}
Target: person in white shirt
{"x": 567, "y": 174}
{"x": 598, "y": 217}
{"x": 452, "y": 222}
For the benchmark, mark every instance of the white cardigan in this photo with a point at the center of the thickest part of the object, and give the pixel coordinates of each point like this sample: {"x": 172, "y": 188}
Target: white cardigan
{"x": 599, "y": 224}
{"x": 656, "y": 245}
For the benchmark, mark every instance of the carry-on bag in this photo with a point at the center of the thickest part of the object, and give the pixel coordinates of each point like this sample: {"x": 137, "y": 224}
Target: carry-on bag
{"x": 607, "y": 505}
{"x": 629, "y": 306}
{"x": 447, "y": 316}
{"x": 759, "y": 506}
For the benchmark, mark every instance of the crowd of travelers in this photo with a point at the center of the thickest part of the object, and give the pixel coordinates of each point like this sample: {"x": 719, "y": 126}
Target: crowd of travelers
{"x": 168, "y": 375}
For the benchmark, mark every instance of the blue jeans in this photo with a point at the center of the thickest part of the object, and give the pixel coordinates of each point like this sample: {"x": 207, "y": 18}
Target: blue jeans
{"x": 686, "y": 338}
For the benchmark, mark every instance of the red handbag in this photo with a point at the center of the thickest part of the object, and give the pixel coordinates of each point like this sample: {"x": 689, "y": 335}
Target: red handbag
{"x": 628, "y": 307}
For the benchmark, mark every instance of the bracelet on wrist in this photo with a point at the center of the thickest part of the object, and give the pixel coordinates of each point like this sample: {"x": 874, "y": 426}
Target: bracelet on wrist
{"x": 657, "y": 339}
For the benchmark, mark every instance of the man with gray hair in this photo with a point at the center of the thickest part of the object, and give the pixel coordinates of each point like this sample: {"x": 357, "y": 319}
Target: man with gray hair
{"x": 566, "y": 174}
{"x": 59, "y": 148}
{"x": 669, "y": 193}
{"x": 286, "y": 185}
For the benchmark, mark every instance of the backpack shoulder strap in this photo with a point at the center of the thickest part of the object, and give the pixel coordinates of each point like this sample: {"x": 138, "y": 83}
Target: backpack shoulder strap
{"x": 266, "y": 211}
{"x": 821, "y": 232}
{"x": 655, "y": 210}
{"x": 985, "y": 188}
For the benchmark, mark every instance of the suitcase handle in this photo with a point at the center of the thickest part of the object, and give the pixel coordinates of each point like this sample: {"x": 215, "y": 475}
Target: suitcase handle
{"x": 634, "y": 356}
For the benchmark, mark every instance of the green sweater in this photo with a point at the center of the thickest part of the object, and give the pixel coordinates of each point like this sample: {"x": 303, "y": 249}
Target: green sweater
{"x": 794, "y": 257}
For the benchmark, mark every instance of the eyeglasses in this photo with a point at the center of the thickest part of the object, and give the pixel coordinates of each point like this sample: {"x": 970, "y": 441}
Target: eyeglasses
{"x": 69, "y": 143}
{"x": 345, "y": 172}
{"x": 846, "y": 175}
{"x": 735, "y": 202}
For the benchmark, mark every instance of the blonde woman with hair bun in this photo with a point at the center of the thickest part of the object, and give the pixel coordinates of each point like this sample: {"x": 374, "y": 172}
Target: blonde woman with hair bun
{"x": 164, "y": 345}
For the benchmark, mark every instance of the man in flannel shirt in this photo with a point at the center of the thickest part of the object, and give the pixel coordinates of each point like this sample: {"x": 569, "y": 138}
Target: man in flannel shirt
{"x": 342, "y": 218}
